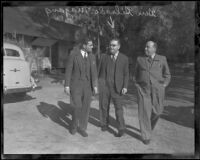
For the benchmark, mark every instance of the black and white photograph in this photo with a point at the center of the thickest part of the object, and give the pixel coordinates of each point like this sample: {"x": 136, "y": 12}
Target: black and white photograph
{"x": 99, "y": 78}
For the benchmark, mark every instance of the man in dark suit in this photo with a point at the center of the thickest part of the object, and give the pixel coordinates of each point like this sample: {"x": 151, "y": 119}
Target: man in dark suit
{"x": 115, "y": 73}
{"x": 152, "y": 75}
{"x": 80, "y": 82}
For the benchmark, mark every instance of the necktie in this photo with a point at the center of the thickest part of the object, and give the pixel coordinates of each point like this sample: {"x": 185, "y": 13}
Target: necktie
{"x": 150, "y": 60}
{"x": 85, "y": 55}
{"x": 113, "y": 58}
{"x": 86, "y": 66}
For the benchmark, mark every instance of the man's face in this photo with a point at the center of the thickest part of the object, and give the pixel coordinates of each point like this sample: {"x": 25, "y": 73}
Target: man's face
{"x": 88, "y": 47}
{"x": 150, "y": 48}
{"x": 114, "y": 47}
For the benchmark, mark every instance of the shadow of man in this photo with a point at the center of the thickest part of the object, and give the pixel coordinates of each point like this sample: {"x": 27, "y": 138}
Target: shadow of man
{"x": 93, "y": 115}
{"x": 95, "y": 120}
{"x": 60, "y": 114}
{"x": 56, "y": 114}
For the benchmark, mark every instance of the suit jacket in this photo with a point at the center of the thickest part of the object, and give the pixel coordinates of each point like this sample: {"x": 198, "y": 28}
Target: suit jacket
{"x": 74, "y": 68}
{"x": 121, "y": 71}
{"x": 157, "y": 73}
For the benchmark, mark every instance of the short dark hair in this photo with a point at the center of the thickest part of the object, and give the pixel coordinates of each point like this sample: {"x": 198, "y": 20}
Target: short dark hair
{"x": 85, "y": 41}
{"x": 116, "y": 39}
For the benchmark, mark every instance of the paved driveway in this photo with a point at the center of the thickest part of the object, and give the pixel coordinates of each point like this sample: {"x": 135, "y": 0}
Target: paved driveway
{"x": 39, "y": 123}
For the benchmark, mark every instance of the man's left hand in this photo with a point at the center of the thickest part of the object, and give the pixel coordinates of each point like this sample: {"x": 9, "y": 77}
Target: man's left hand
{"x": 164, "y": 85}
{"x": 124, "y": 91}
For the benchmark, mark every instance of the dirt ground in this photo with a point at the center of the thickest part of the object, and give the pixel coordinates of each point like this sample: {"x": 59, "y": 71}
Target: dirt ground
{"x": 39, "y": 123}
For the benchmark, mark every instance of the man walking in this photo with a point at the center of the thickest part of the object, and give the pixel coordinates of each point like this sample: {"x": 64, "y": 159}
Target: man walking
{"x": 152, "y": 75}
{"x": 80, "y": 82}
{"x": 114, "y": 70}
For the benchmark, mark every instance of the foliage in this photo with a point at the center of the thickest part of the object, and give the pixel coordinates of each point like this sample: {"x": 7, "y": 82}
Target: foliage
{"x": 171, "y": 26}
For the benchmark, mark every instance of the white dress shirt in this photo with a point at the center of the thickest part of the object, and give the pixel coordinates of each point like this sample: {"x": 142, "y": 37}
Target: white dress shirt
{"x": 115, "y": 55}
{"x": 84, "y": 54}
{"x": 153, "y": 55}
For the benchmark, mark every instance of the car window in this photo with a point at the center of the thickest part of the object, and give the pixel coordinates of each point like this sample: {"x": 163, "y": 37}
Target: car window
{"x": 12, "y": 53}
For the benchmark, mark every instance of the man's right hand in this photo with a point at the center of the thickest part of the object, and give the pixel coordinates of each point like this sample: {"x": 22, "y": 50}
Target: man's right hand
{"x": 67, "y": 90}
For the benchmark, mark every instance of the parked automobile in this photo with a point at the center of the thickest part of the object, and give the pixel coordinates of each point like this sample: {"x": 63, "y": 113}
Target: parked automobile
{"x": 16, "y": 71}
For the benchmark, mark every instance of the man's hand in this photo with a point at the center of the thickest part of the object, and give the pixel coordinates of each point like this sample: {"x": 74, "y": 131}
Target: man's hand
{"x": 124, "y": 91}
{"x": 67, "y": 90}
{"x": 95, "y": 90}
{"x": 164, "y": 85}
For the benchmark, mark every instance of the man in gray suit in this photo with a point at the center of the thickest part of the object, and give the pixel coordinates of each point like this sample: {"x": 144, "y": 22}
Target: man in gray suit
{"x": 152, "y": 75}
{"x": 80, "y": 82}
{"x": 114, "y": 74}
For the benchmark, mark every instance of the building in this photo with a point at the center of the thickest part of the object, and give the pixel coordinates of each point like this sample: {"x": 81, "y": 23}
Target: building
{"x": 32, "y": 28}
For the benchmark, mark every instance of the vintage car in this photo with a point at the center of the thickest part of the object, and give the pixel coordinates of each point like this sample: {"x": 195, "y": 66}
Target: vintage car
{"x": 16, "y": 71}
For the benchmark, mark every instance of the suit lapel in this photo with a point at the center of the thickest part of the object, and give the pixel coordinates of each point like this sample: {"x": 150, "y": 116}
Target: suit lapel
{"x": 90, "y": 61}
{"x": 79, "y": 58}
{"x": 146, "y": 62}
{"x": 108, "y": 60}
{"x": 156, "y": 58}
{"x": 117, "y": 62}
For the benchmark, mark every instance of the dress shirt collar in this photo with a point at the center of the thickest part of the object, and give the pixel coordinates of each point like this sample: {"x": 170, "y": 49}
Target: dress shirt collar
{"x": 153, "y": 55}
{"x": 84, "y": 53}
{"x": 115, "y": 55}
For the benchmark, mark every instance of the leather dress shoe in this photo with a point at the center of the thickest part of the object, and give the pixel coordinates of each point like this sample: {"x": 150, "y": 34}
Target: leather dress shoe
{"x": 120, "y": 133}
{"x": 73, "y": 131}
{"x": 146, "y": 141}
{"x": 104, "y": 128}
{"x": 83, "y": 133}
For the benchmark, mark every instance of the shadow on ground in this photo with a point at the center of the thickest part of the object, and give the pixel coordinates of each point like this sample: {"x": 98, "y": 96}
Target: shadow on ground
{"x": 94, "y": 119}
{"x": 181, "y": 89}
{"x": 56, "y": 114}
{"x": 180, "y": 115}
{"x": 12, "y": 98}
{"x": 179, "y": 96}
{"x": 60, "y": 114}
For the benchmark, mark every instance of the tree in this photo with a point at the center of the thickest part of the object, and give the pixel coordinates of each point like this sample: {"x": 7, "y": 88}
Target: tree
{"x": 171, "y": 26}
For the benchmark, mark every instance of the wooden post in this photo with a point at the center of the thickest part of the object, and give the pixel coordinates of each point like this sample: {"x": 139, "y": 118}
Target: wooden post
{"x": 50, "y": 58}
{"x": 23, "y": 41}
{"x": 98, "y": 49}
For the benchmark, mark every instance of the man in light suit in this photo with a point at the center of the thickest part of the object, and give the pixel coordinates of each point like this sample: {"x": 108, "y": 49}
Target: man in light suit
{"x": 114, "y": 73}
{"x": 80, "y": 82}
{"x": 152, "y": 75}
